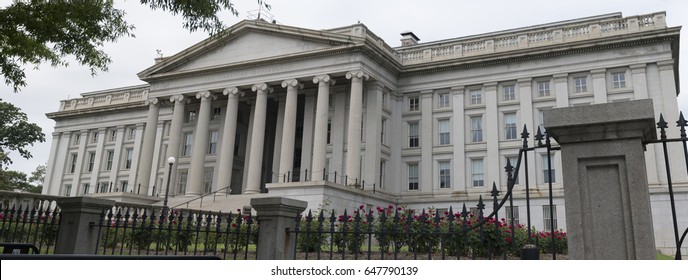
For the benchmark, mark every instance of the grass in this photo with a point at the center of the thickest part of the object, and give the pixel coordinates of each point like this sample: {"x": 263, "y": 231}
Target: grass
{"x": 661, "y": 256}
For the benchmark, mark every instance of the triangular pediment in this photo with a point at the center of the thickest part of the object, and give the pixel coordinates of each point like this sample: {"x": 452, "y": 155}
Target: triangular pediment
{"x": 250, "y": 42}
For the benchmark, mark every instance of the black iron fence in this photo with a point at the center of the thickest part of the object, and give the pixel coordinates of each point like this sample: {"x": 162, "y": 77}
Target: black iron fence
{"x": 398, "y": 233}
{"x": 662, "y": 125}
{"x": 145, "y": 231}
{"x": 36, "y": 223}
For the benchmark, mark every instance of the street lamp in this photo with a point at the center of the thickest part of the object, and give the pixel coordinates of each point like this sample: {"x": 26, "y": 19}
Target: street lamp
{"x": 171, "y": 161}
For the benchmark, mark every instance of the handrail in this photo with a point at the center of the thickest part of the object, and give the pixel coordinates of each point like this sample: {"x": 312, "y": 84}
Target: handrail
{"x": 201, "y": 197}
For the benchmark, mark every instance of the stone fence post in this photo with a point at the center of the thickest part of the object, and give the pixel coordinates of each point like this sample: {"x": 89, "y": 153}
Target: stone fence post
{"x": 608, "y": 214}
{"x": 276, "y": 216}
{"x": 78, "y": 228}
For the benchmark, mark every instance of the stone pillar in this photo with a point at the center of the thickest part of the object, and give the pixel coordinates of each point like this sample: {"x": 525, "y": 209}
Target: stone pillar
{"x": 98, "y": 160}
{"x": 77, "y": 234}
{"x": 608, "y": 212}
{"x": 76, "y": 181}
{"x": 48, "y": 186}
{"x": 200, "y": 143}
{"x": 289, "y": 127}
{"x": 353, "y": 154}
{"x": 491, "y": 128}
{"x": 426, "y": 142}
{"x": 224, "y": 176}
{"x": 117, "y": 156}
{"x": 175, "y": 135}
{"x": 561, "y": 90}
{"x": 459, "y": 139}
{"x": 599, "y": 85}
{"x": 257, "y": 138}
{"x": 321, "y": 116}
{"x": 148, "y": 146}
{"x": 277, "y": 215}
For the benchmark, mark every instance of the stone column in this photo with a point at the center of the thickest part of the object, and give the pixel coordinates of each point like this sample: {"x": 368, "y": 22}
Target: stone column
{"x": 77, "y": 234}
{"x": 322, "y": 112}
{"x": 289, "y": 127}
{"x": 599, "y": 85}
{"x": 491, "y": 128}
{"x": 175, "y": 136}
{"x": 148, "y": 146}
{"x": 353, "y": 154}
{"x": 276, "y": 216}
{"x": 52, "y": 168}
{"x": 117, "y": 156}
{"x": 561, "y": 89}
{"x": 99, "y": 158}
{"x": 257, "y": 138}
{"x": 200, "y": 143}
{"x": 459, "y": 139}
{"x": 426, "y": 142}
{"x": 76, "y": 181}
{"x": 608, "y": 214}
{"x": 224, "y": 177}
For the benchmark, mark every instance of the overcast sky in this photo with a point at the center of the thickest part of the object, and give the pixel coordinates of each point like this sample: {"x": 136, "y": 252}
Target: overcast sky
{"x": 429, "y": 20}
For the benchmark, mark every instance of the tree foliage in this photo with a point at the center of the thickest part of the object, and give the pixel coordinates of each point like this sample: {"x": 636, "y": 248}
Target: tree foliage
{"x": 11, "y": 180}
{"x": 16, "y": 133}
{"x": 43, "y": 31}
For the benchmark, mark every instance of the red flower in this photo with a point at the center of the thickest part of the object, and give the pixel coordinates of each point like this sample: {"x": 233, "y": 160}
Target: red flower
{"x": 238, "y": 210}
{"x": 508, "y": 240}
{"x": 446, "y": 213}
{"x": 390, "y": 206}
{"x": 361, "y": 207}
{"x": 234, "y": 225}
{"x": 399, "y": 208}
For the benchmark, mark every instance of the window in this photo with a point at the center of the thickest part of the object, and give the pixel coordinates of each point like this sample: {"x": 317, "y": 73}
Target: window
{"x": 191, "y": 116}
{"x": 444, "y": 132}
{"x": 77, "y": 139}
{"x": 513, "y": 160}
{"x": 212, "y": 142}
{"x": 188, "y": 141}
{"x": 477, "y": 129}
{"x": 413, "y": 135}
{"x": 546, "y": 172}
{"x": 85, "y": 187}
{"x": 477, "y": 173}
{"x": 94, "y": 137}
{"x": 329, "y": 131}
{"x": 445, "y": 175}
{"x": 67, "y": 189}
{"x": 414, "y": 104}
{"x": 443, "y": 99}
{"x": 103, "y": 187}
{"x": 510, "y": 126}
{"x": 476, "y": 96}
{"x": 108, "y": 163}
{"x": 132, "y": 133}
{"x": 124, "y": 185}
{"x": 113, "y": 135}
{"x": 72, "y": 166}
{"x": 217, "y": 112}
{"x": 541, "y": 123}
{"x": 580, "y": 84}
{"x": 508, "y": 215}
{"x": 128, "y": 159}
{"x": 91, "y": 161}
{"x": 382, "y": 174}
{"x": 543, "y": 88}
{"x": 619, "y": 80}
{"x": 382, "y": 131}
{"x": 181, "y": 183}
{"x": 413, "y": 176}
{"x": 547, "y": 217}
{"x": 208, "y": 181}
{"x": 509, "y": 92}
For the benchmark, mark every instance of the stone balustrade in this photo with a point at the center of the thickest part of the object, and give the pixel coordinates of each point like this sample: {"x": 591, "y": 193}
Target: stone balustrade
{"x": 530, "y": 37}
{"x": 106, "y": 98}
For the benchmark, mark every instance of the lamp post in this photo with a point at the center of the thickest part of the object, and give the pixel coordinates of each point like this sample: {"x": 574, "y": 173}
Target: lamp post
{"x": 171, "y": 161}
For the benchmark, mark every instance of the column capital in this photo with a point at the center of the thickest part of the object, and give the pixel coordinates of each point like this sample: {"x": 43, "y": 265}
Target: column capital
{"x": 261, "y": 87}
{"x": 323, "y": 79}
{"x": 357, "y": 74}
{"x": 177, "y": 98}
{"x": 151, "y": 101}
{"x": 233, "y": 92}
{"x": 491, "y": 86}
{"x": 455, "y": 90}
{"x": 205, "y": 95}
{"x": 638, "y": 68}
{"x": 292, "y": 83}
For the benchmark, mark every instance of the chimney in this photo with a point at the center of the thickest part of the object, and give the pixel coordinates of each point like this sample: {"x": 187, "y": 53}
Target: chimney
{"x": 408, "y": 39}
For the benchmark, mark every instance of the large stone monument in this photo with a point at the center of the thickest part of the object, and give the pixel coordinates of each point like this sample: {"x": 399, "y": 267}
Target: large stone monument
{"x": 608, "y": 213}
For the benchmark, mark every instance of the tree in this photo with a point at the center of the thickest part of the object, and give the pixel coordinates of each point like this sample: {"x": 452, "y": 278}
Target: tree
{"x": 43, "y": 31}
{"x": 16, "y": 133}
{"x": 11, "y": 180}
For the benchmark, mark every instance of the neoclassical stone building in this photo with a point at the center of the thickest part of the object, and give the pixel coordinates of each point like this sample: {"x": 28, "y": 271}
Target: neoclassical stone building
{"x": 339, "y": 117}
